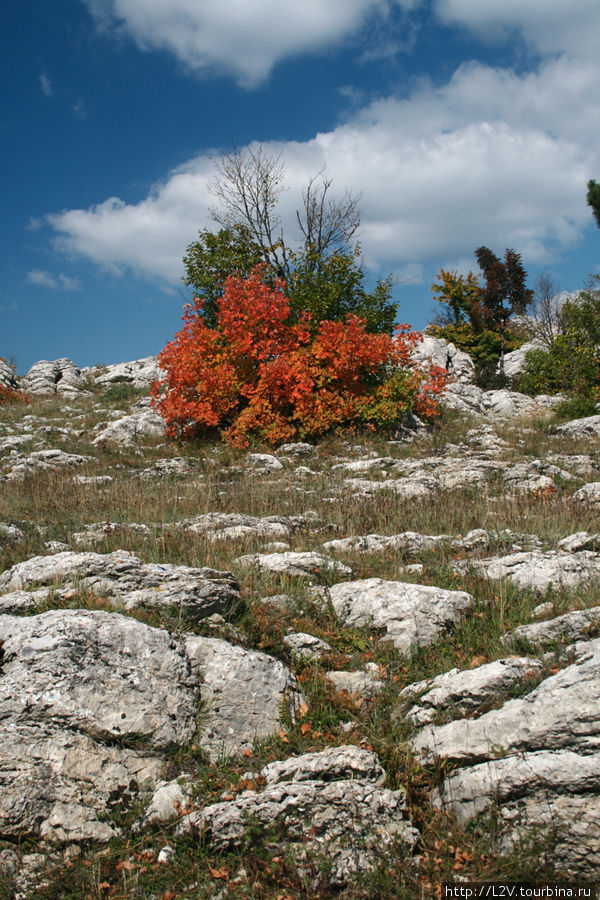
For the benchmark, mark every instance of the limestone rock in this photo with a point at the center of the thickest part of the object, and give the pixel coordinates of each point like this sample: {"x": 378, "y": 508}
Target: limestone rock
{"x": 589, "y": 493}
{"x": 588, "y": 427}
{"x": 44, "y": 460}
{"x": 407, "y": 542}
{"x": 237, "y": 526}
{"x": 581, "y": 540}
{"x": 303, "y": 565}
{"x": 465, "y": 398}
{"x": 514, "y": 363}
{"x": 467, "y": 692}
{"x": 168, "y": 799}
{"x": 538, "y": 570}
{"x": 298, "y": 448}
{"x": 411, "y": 615}
{"x": 264, "y": 463}
{"x": 8, "y": 379}
{"x": 58, "y": 377}
{"x": 333, "y": 764}
{"x": 537, "y": 759}
{"x": 439, "y": 352}
{"x": 165, "y": 468}
{"x": 572, "y": 626}
{"x": 243, "y": 692}
{"x": 139, "y": 372}
{"x": 306, "y": 646}
{"x": 10, "y": 534}
{"x": 125, "y": 580}
{"x": 347, "y": 822}
{"x": 130, "y": 429}
{"x": 79, "y": 689}
{"x": 367, "y": 682}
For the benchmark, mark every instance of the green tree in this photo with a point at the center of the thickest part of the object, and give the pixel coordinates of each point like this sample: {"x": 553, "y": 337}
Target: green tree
{"x": 211, "y": 259}
{"x": 323, "y": 274}
{"x": 571, "y": 365}
{"x": 475, "y": 316}
{"x": 593, "y": 199}
{"x": 331, "y": 287}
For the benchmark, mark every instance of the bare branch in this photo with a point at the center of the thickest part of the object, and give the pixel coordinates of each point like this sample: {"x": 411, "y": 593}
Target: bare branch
{"x": 327, "y": 224}
{"x": 248, "y": 185}
{"x": 546, "y": 324}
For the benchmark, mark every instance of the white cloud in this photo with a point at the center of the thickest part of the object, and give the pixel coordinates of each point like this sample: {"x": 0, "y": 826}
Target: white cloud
{"x": 46, "y": 85}
{"x": 551, "y": 26}
{"x": 489, "y": 158}
{"x": 243, "y": 37}
{"x": 40, "y": 278}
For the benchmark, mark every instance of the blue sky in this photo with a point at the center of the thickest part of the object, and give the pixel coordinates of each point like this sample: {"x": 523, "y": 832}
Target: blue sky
{"x": 462, "y": 123}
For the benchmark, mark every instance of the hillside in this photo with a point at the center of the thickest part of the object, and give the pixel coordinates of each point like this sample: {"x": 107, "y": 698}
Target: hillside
{"x": 355, "y": 669}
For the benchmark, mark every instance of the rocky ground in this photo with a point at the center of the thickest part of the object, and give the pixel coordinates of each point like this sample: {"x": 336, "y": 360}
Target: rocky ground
{"x": 349, "y": 670}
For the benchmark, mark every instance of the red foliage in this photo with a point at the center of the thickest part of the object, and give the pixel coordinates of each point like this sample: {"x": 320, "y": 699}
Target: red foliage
{"x": 9, "y": 396}
{"x": 256, "y": 374}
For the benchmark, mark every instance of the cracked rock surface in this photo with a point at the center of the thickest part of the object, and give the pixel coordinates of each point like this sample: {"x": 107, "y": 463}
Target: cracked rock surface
{"x": 536, "y": 760}
{"x": 326, "y": 805}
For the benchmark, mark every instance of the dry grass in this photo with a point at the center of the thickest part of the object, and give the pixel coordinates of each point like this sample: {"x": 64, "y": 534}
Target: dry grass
{"x": 51, "y": 506}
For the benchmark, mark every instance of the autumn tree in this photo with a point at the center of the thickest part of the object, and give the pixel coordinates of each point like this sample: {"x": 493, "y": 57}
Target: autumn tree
{"x": 477, "y": 308}
{"x": 256, "y": 373}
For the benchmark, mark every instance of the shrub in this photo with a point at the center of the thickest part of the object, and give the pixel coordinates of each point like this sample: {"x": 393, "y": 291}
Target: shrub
{"x": 259, "y": 373}
{"x": 571, "y": 365}
{"x": 10, "y": 396}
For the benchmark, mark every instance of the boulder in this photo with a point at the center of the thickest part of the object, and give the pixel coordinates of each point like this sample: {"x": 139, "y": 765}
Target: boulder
{"x": 243, "y": 692}
{"x": 297, "y": 564}
{"x": 535, "y": 761}
{"x": 407, "y": 542}
{"x": 8, "y": 379}
{"x": 439, "y": 352}
{"x": 140, "y": 373}
{"x": 130, "y": 429}
{"x": 80, "y": 690}
{"x": 411, "y": 615}
{"x": 464, "y": 693}
{"x": 126, "y": 581}
{"x": 237, "y": 526}
{"x": 588, "y": 427}
{"x": 43, "y": 460}
{"x": 326, "y": 808}
{"x": 538, "y": 570}
{"x": 306, "y": 646}
{"x": 589, "y": 493}
{"x": 514, "y": 363}
{"x": 578, "y": 625}
{"x": 61, "y": 376}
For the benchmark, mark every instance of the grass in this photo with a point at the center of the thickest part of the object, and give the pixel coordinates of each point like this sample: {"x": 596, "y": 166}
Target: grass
{"x": 48, "y": 505}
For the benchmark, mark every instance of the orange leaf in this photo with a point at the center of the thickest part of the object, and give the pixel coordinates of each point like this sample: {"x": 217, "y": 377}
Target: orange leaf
{"x": 219, "y": 873}
{"x": 303, "y": 710}
{"x": 305, "y": 729}
{"x": 281, "y": 733}
{"x": 247, "y": 754}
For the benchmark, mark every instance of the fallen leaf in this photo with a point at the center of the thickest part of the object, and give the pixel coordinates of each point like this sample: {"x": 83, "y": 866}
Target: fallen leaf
{"x": 305, "y": 729}
{"x": 303, "y": 710}
{"x": 219, "y": 873}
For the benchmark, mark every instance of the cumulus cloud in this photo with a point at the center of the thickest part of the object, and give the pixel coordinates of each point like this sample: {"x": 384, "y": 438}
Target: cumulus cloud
{"x": 40, "y": 278}
{"x": 490, "y": 157}
{"x": 246, "y": 38}
{"x": 550, "y": 27}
